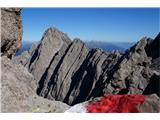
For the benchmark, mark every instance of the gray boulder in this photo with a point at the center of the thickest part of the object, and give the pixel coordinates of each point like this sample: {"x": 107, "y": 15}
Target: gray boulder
{"x": 19, "y": 91}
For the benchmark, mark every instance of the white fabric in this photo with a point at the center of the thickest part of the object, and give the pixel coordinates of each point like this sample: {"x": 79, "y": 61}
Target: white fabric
{"x": 79, "y": 108}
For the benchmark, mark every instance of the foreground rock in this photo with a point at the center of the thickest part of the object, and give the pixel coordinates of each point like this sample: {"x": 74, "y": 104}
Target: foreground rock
{"x": 11, "y": 31}
{"x": 18, "y": 91}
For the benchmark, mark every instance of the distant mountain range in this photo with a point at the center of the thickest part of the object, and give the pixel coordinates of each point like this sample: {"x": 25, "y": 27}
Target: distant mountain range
{"x": 25, "y": 46}
{"x": 106, "y": 46}
{"x": 110, "y": 46}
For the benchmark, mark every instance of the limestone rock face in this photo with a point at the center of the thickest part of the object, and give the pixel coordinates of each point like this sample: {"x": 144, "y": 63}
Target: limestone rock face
{"x": 73, "y": 74}
{"x": 56, "y": 80}
{"x": 11, "y": 31}
{"x": 19, "y": 91}
{"x": 88, "y": 81}
{"x": 69, "y": 72}
{"x": 132, "y": 73}
{"x": 51, "y": 42}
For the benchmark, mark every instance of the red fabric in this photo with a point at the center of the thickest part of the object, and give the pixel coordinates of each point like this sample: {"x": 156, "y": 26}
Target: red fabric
{"x": 116, "y": 104}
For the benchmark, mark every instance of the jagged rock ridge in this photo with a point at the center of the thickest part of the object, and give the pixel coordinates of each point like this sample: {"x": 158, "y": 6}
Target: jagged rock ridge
{"x": 74, "y": 74}
{"x": 65, "y": 70}
{"x": 60, "y": 79}
{"x": 52, "y": 41}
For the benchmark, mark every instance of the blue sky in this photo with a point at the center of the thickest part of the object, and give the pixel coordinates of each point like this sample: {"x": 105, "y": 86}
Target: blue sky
{"x": 100, "y": 24}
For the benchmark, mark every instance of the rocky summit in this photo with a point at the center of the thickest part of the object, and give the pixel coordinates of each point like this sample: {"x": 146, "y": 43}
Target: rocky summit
{"x": 51, "y": 42}
{"x": 58, "y": 72}
{"x": 71, "y": 73}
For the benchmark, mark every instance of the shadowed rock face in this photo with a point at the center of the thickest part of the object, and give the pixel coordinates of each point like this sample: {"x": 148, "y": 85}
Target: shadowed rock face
{"x": 73, "y": 73}
{"x": 132, "y": 73}
{"x": 88, "y": 82}
{"x": 128, "y": 74}
{"x": 57, "y": 78}
{"x": 153, "y": 49}
{"x": 11, "y": 31}
{"x": 67, "y": 71}
{"x": 52, "y": 41}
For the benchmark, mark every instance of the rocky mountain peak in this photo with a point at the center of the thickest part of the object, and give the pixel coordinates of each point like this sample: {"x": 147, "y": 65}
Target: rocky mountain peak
{"x": 53, "y": 32}
{"x": 59, "y": 69}
{"x": 68, "y": 71}
{"x": 52, "y": 41}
